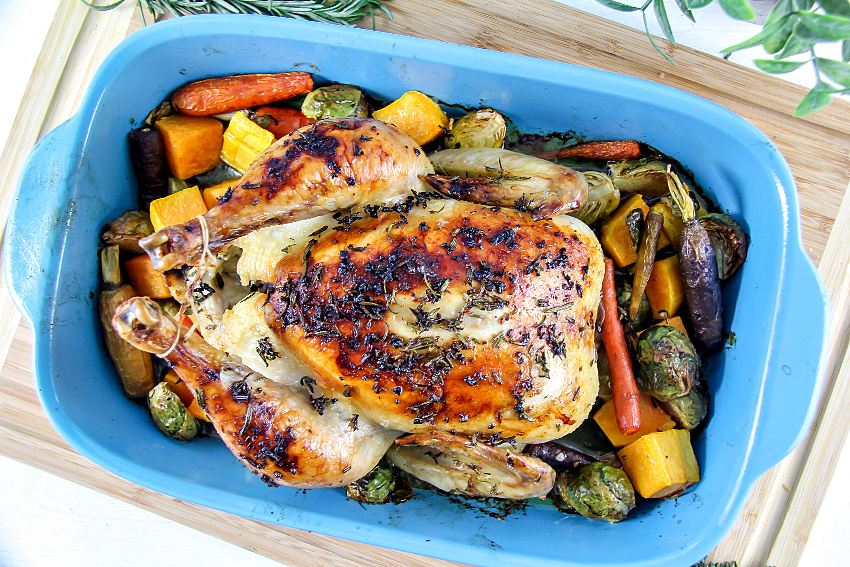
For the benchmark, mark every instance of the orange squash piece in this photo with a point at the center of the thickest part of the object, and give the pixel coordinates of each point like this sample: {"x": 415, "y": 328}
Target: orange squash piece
{"x": 416, "y": 115}
{"x": 665, "y": 290}
{"x": 192, "y": 143}
{"x": 177, "y": 208}
{"x": 614, "y": 233}
{"x": 146, "y": 280}
{"x": 661, "y": 465}
{"x": 215, "y": 192}
{"x": 652, "y": 419}
{"x": 186, "y": 396}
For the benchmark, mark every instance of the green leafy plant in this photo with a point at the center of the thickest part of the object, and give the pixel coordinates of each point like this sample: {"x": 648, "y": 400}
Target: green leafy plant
{"x": 791, "y": 33}
{"x": 344, "y": 12}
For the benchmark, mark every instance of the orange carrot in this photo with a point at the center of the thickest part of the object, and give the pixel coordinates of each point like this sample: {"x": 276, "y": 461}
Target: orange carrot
{"x": 283, "y": 120}
{"x": 226, "y": 94}
{"x": 623, "y": 385}
{"x": 597, "y": 150}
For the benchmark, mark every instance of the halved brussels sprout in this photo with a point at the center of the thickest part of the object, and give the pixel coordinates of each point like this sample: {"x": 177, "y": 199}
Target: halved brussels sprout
{"x": 170, "y": 415}
{"x": 602, "y": 198}
{"x": 728, "y": 240}
{"x": 480, "y": 129}
{"x": 624, "y": 299}
{"x": 335, "y": 101}
{"x": 689, "y": 410}
{"x": 668, "y": 363}
{"x": 381, "y": 485}
{"x": 597, "y": 491}
{"x": 647, "y": 176}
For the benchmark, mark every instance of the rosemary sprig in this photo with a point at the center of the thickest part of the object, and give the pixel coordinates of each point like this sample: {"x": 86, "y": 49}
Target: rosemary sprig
{"x": 343, "y": 12}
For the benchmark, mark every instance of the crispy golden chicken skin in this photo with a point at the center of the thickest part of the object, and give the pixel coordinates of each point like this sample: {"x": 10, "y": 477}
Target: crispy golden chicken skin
{"x": 449, "y": 315}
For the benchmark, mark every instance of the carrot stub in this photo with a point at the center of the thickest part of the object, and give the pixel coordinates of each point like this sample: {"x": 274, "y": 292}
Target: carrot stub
{"x": 614, "y": 151}
{"x": 282, "y": 121}
{"x": 623, "y": 385}
{"x": 226, "y": 94}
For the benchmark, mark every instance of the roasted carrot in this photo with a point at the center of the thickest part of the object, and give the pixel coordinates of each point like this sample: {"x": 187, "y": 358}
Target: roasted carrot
{"x": 281, "y": 121}
{"x": 597, "y": 150}
{"x": 623, "y": 385}
{"x": 226, "y": 94}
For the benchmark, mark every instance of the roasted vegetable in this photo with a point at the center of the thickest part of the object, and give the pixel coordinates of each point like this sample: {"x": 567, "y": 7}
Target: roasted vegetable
{"x": 665, "y": 290}
{"x": 226, "y": 94}
{"x": 192, "y": 143}
{"x": 177, "y": 208}
{"x": 216, "y": 192}
{"x": 698, "y": 266}
{"x": 147, "y": 281}
{"x": 147, "y": 153}
{"x": 643, "y": 317}
{"x": 689, "y": 410}
{"x": 604, "y": 372}
{"x": 280, "y": 121}
{"x": 647, "y": 176}
{"x": 559, "y": 456}
{"x": 661, "y": 465}
{"x": 335, "y": 101}
{"x": 615, "y": 236}
{"x": 728, "y": 240}
{"x": 127, "y": 230}
{"x": 613, "y": 151}
{"x": 668, "y": 363}
{"x": 244, "y": 141}
{"x": 671, "y": 232}
{"x": 134, "y": 367}
{"x": 170, "y": 415}
{"x": 597, "y": 491}
{"x": 602, "y": 198}
{"x": 378, "y": 486}
{"x": 186, "y": 396}
{"x": 645, "y": 260}
{"x": 652, "y": 419}
{"x": 416, "y": 115}
{"x": 480, "y": 129}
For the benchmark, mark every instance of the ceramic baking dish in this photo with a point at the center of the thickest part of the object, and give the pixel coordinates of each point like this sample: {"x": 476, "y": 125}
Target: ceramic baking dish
{"x": 764, "y": 384}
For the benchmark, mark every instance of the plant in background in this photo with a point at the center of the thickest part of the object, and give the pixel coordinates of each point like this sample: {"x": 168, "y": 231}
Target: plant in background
{"x": 344, "y": 12}
{"x": 791, "y": 32}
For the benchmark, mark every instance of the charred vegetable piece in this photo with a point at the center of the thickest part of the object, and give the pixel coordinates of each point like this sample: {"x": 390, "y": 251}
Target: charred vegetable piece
{"x": 643, "y": 318}
{"x": 613, "y": 151}
{"x": 280, "y": 121}
{"x": 647, "y": 176}
{"x": 597, "y": 491}
{"x": 226, "y": 94}
{"x": 645, "y": 260}
{"x": 377, "y": 487}
{"x": 134, "y": 366}
{"x": 147, "y": 153}
{"x": 480, "y": 129}
{"x": 729, "y": 241}
{"x": 602, "y": 198}
{"x": 559, "y": 456}
{"x": 690, "y": 410}
{"x": 698, "y": 265}
{"x": 170, "y": 415}
{"x": 126, "y": 231}
{"x": 668, "y": 363}
{"x": 335, "y": 101}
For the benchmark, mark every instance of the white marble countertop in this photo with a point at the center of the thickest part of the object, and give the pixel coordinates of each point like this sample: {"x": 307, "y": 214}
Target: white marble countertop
{"x": 48, "y": 521}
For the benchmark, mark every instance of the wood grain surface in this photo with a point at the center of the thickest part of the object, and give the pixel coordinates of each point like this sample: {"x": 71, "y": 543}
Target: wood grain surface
{"x": 775, "y": 523}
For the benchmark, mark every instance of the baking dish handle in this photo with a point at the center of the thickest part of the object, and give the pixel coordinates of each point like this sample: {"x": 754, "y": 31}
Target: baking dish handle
{"x": 40, "y": 204}
{"x": 795, "y": 370}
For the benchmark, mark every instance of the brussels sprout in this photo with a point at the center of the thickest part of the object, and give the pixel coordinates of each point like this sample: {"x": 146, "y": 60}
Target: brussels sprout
{"x": 624, "y": 299}
{"x": 379, "y": 486}
{"x": 647, "y": 176}
{"x": 688, "y": 410}
{"x": 127, "y": 230}
{"x": 597, "y": 491}
{"x": 728, "y": 240}
{"x": 602, "y": 198}
{"x": 335, "y": 101}
{"x": 668, "y": 363}
{"x": 480, "y": 129}
{"x": 170, "y": 415}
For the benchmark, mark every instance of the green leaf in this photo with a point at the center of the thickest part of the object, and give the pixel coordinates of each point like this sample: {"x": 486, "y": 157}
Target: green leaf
{"x": 845, "y": 51}
{"x": 817, "y": 98}
{"x": 779, "y": 11}
{"x": 652, "y": 41}
{"x": 795, "y": 45}
{"x": 614, "y": 5}
{"x": 778, "y": 67}
{"x": 830, "y": 28}
{"x": 836, "y": 7}
{"x": 780, "y": 38}
{"x": 661, "y": 16}
{"x": 738, "y": 9}
{"x": 683, "y": 6}
{"x": 837, "y": 71}
{"x": 766, "y": 33}
{"x": 696, "y": 4}
{"x": 103, "y": 8}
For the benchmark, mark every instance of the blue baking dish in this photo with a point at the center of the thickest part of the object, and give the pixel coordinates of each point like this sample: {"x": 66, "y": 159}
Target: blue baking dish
{"x": 764, "y": 385}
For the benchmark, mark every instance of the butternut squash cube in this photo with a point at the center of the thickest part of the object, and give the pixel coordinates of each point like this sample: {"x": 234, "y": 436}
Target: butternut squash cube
{"x": 416, "y": 115}
{"x": 177, "y": 208}
{"x": 192, "y": 143}
{"x": 244, "y": 141}
{"x": 145, "y": 279}
{"x": 614, "y": 235}
{"x": 665, "y": 289}
{"x": 215, "y": 192}
{"x": 652, "y": 420}
{"x": 661, "y": 465}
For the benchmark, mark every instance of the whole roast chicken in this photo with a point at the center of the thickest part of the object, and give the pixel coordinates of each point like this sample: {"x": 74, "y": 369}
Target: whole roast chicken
{"x": 384, "y": 316}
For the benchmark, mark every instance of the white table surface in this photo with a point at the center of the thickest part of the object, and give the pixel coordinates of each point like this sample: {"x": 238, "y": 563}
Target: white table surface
{"x": 48, "y": 521}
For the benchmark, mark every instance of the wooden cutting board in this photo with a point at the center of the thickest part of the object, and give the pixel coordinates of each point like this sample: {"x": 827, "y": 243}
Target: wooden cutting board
{"x": 776, "y": 521}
